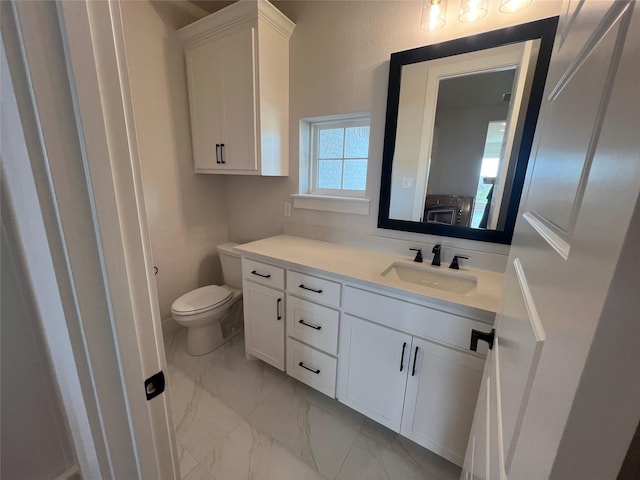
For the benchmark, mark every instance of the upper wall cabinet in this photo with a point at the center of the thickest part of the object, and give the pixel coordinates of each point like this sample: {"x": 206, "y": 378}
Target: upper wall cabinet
{"x": 237, "y": 63}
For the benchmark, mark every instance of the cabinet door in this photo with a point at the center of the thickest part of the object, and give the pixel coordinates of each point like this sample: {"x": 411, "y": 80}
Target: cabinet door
{"x": 372, "y": 371}
{"x": 237, "y": 71}
{"x": 205, "y": 108}
{"x": 442, "y": 389}
{"x": 264, "y": 323}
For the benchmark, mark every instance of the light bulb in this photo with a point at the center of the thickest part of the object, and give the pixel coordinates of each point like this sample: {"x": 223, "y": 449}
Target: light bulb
{"x": 472, "y": 10}
{"x": 433, "y": 15}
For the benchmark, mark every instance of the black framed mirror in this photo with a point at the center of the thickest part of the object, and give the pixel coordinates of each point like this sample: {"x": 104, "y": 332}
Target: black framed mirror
{"x": 461, "y": 117}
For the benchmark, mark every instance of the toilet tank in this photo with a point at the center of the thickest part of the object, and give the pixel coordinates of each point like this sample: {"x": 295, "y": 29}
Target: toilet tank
{"x": 231, "y": 265}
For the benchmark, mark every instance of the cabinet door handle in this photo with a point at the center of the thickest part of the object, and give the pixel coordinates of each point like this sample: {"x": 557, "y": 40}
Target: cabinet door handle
{"x": 310, "y": 289}
{"x": 278, "y": 309}
{"x": 486, "y": 337}
{"x": 415, "y": 358}
{"x": 260, "y": 275}
{"x": 404, "y": 346}
{"x": 222, "y": 153}
{"x": 310, "y": 369}
{"x": 218, "y": 153}
{"x": 315, "y": 327}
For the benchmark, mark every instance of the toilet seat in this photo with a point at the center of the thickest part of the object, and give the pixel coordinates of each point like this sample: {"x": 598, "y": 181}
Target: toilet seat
{"x": 201, "y": 300}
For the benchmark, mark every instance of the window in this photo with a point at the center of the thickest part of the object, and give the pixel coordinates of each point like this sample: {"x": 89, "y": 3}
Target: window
{"x": 334, "y": 152}
{"x": 339, "y": 153}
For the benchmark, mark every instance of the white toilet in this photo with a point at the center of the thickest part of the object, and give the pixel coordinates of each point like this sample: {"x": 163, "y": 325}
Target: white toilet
{"x": 213, "y": 314}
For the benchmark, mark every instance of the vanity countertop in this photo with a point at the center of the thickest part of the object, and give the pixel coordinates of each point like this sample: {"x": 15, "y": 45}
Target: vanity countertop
{"x": 366, "y": 266}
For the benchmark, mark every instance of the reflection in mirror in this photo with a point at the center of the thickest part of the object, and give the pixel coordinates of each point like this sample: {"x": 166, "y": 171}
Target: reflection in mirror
{"x": 460, "y": 121}
{"x": 456, "y": 150}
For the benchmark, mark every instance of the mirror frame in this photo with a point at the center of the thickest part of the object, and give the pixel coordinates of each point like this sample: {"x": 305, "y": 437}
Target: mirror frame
{"x": 544, "y": 30}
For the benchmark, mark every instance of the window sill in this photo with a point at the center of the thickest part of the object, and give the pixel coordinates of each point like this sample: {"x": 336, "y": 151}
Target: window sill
{"x": 328, "y": 203}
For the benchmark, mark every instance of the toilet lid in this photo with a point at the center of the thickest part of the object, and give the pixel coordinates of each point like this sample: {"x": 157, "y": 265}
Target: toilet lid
{"x": 202, "y": 298}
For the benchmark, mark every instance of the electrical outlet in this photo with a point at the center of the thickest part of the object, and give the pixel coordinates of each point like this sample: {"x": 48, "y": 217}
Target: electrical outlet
{"x": 287, "y": 209}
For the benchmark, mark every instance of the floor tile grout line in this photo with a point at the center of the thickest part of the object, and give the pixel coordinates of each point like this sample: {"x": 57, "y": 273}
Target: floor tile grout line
{"x": 348, "y": 453}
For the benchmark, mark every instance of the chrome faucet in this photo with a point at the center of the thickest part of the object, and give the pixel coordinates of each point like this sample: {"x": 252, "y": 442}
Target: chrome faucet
{"x": 436, "y": 255}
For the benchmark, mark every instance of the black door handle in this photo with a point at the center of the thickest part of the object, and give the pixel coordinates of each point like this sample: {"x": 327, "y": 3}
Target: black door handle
{"x": 218, "y": 153}
{"x": 310, "y": 369}
{"x": 415, "y": 358}
{"x": 278, "y": 309}
{"x": 222, "y": 153}
{"x": 485, "y": 337}
{"x": 315, "y": 327}
{"x": 404, "y": 345}
{"x": 260, "y": 275}
{"x": 310, "y": 289}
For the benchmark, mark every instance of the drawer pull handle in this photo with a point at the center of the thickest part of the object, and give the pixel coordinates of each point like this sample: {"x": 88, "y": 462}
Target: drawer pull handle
{"x": 415, "y": 358}
{"x": 310, "y": 289}
{"x": 261, "y": 275}
{"x": 278, "y": 309}
{"x": 404, "y": 345}
{"x": 310, "y": 369}
{"x": 315, "y": 327}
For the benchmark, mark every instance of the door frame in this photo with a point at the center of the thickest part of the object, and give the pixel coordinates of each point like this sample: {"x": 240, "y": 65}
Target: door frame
{"x": 78, "y": 169}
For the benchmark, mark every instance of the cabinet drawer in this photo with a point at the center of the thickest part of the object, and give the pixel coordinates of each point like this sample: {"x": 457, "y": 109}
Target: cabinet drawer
{"x": 416, "y": 319}
{"x": 316, "y": 369}
{"x": 313, "y": 324}
{"x": 263, "y": 273}
{"x": 314, "y": 288}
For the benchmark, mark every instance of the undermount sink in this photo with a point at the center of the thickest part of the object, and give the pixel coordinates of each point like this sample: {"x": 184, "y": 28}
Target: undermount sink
{"x": 432, "y": 277}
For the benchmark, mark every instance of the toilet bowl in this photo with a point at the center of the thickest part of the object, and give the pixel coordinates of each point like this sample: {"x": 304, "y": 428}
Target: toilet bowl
{"x": 213, "y": 314}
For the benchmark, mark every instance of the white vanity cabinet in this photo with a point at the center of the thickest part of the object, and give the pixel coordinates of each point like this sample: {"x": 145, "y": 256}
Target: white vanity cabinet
{"x": 237, "y": 67}
{"x": 264, "y": 311}
{"x": 395, "y": 355}
{"x": 406, "y": 366}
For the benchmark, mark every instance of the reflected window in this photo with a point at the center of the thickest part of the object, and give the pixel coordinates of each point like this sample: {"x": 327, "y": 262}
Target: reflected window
{"x": 493, "y": 147}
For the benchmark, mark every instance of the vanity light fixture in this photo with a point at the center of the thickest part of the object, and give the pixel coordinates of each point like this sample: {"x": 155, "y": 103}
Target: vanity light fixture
{"x": 472, "y": 10}
{"x": 511, "y": 6}
{"x": 433, "y": 15}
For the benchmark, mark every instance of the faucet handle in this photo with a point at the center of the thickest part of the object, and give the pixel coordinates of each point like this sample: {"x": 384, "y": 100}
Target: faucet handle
{"x": 454, "y": 262}
{"x": 418, "y": 254}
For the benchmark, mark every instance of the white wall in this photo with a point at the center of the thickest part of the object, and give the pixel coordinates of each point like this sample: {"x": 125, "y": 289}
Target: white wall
{"x": 339, "y": 63}
{"x": 186, "y": 212}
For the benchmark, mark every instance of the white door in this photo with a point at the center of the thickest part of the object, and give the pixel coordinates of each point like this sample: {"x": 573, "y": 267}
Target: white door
{"x": 205, "y": 106}
{"x": 582, "y": 184}
{"x": 441, "y": 391}
{"x": 264, "y": 323}
{"x": 238, "y": 67}
{"x": 372, "y": 376}
{"x": 98, "y": 298}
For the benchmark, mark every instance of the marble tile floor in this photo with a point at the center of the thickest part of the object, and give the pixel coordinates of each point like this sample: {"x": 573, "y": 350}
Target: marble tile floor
{"x": 237, "y": 419}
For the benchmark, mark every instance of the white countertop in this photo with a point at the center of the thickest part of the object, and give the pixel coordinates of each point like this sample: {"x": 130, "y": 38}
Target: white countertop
{"x": 367, "y": 266}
